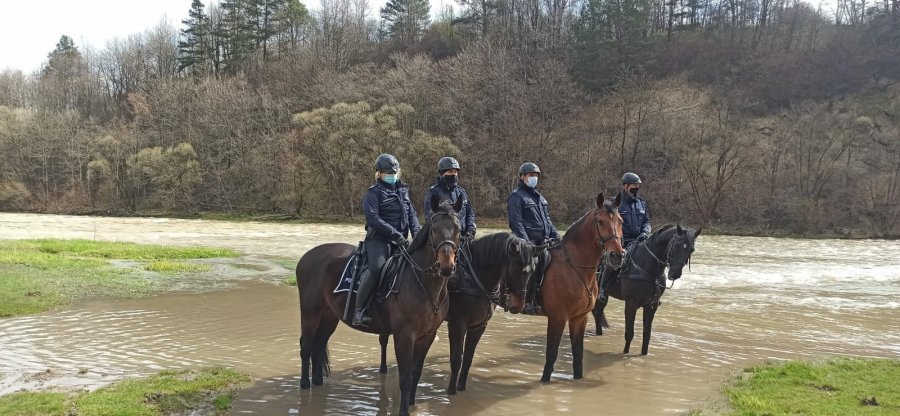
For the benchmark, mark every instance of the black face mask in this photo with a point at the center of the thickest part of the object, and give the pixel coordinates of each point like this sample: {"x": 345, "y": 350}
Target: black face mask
{"x": 450, "y": 180}
{"x": 634, "y": 191}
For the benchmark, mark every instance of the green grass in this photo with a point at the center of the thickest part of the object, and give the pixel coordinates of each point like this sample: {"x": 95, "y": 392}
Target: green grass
{"x": 39, "y": 275}
{"x": 165, "y": 266}
{"x": 835, "y": 387}
{"x": 290, "y": 264}
{"x": 208, "y": 391}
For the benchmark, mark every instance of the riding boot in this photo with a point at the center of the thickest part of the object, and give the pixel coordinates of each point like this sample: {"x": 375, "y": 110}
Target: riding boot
{"x": 366, "y": 284}
{"x": 604, "y": 284}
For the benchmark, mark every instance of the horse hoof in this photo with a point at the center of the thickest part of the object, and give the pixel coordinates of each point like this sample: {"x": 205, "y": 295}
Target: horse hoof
{"x": 382, "y": 370}
{"x": 578, "y": 377}
{"x": 545, "y": 379}
{"x": 451, "y": 392}
{"x": 304, "y": 384}
{"x": 461, "y": 387}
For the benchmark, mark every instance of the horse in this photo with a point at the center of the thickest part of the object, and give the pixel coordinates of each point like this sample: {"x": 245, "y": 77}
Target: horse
{"x": 643, "y": 283}
{"x": 412, "y": 315}
{"x": 569, "y": 286}
{"x": 495, "y": 259}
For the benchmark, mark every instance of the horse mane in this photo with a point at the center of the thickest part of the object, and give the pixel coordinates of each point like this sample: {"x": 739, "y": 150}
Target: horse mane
{"x": 493, "y": 247}
{"x": 664, "y": 228}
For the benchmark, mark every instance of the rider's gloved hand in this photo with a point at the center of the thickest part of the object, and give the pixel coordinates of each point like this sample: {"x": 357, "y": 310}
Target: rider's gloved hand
{"x": 402, "y": 241}
{"x": 642, "y": 237}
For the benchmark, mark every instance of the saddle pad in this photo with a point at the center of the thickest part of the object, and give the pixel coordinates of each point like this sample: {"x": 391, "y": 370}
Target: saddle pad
{"x": 347, "y": 276}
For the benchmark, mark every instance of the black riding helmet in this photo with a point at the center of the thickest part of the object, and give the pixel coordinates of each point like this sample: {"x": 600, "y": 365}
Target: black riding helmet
{"x": 447, "y": 163}
{"x": 630, "y": 177}
{"x": 387, "y": 163}
{"x": 529, "y": 167}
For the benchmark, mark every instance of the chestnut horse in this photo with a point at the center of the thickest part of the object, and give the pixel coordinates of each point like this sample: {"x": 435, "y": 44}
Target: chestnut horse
{"x": 412, "y": 315}
{"x": 570, "y": 285}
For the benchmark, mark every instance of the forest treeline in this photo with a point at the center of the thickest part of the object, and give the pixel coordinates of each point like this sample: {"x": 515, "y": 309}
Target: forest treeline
{"x": 764, "y": 116}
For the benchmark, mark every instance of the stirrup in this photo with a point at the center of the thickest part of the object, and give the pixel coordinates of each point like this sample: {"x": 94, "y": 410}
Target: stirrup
{"x": 360, "y": 319}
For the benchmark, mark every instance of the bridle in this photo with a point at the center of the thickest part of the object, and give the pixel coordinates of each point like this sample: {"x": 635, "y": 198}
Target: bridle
{"x": 434, "y": 268}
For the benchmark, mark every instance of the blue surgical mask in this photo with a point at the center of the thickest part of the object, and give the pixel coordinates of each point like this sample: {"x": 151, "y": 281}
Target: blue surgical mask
{"x": 531, "y": 181}
{"x": 389, "y": 179}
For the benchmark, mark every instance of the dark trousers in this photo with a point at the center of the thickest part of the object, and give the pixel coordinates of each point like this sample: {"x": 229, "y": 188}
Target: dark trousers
{"x": 377, "y": 252}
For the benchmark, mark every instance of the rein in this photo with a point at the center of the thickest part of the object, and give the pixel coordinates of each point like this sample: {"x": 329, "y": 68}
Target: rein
{"x": 601, "y": 242}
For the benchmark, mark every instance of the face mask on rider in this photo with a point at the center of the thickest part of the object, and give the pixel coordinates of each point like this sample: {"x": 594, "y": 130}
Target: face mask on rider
{"x": 531, "y": 181}
{"x": 450, "y": 180}
{"x": 389, "y": 178}
{"x": 634, "y": 191}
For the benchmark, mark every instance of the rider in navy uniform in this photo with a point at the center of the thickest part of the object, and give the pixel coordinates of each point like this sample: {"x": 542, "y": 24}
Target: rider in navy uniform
{"x": 529, "y": 218}
{"x": 447, "y": 188}
{"x": 390, "y": 218}
{"x": 635, "y": 224}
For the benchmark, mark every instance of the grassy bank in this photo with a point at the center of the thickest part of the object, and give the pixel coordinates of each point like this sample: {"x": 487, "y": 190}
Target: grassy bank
{"x": 39, "y": 275}
{"x": 834, "y": 387}
{"x": 208, "y": 391}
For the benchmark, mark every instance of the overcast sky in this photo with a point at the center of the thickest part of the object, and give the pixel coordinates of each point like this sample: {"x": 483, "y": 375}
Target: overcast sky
{"x": 29, "y": 29}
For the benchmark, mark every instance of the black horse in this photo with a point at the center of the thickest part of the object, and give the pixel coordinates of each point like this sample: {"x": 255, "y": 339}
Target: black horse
{"x": 495, "y": 260}
{"x": 643, "y": 281}
{"x": 412, "y": 315}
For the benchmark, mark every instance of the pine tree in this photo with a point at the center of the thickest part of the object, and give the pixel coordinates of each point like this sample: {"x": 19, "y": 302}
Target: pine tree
{"x": 406, "y": 20}
{"x": 193, "y": 48}
{"x": 237, "y": 30}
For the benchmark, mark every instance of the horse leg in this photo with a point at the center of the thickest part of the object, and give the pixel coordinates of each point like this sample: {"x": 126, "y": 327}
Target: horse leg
{"x": 472, "y": 339}
{"x": 383, "y": 340}
{"x": 555, "y": 329}
{"x": 421, "y": 350}
{"x": 630, "y": 312}
{"x": 649, "y": 313}
{"x": 403, "y": 350}
{"x": 577, "y": 326}
{"x": 456, "y": 332}
{"x": 308, "y": 327}
{"x": 320, "y": 364}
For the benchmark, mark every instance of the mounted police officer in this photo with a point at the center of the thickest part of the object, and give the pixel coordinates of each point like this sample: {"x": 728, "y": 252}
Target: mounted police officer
{"x": 635, "y": 224}
{"x": 529, "y": 217}
{"x": 390, "y": 217}
{"x": 447, "y": 188}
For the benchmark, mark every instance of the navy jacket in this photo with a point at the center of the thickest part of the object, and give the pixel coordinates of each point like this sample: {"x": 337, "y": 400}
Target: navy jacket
{"x": 389, "y": 212}
{"x": 466, "y": 215}
{"x": 635, "y": 217}
{"x": 529, "y": 216}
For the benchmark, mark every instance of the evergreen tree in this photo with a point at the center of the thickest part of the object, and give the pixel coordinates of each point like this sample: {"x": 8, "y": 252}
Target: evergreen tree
{"x": 237, "y": 32}
{"x": 406, "y": 20}
{"x": 193, "y": 48}
{"x": 63, "y": 59}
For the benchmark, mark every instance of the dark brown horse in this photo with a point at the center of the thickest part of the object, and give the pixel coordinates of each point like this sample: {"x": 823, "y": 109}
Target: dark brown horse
{"x": 570, "y": 286}
{"x": 499, "y": 259}
{"x": 643, "y": 282}
{"x": 412, "y": 315}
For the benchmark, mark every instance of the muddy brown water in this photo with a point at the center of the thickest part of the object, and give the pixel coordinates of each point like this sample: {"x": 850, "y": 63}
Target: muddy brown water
{"x": 745, "y": 301}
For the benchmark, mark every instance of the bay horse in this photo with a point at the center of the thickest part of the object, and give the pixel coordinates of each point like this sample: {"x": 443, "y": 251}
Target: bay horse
{"x": 570, "y": 285}
{"x": 643, "y": 283}
{"x": 495, "y": 259}
{"x": 412, "y": 315}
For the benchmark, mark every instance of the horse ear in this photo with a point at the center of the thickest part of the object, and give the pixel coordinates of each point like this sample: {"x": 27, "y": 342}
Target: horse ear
{"x": 458, "y": 205}
{"x": 697, "y": 234}
{"x": 600, "y": 200}
{"x": 435, "y": 202}
{"x": 678, "y": 228}
{"x": 618, "y": 200}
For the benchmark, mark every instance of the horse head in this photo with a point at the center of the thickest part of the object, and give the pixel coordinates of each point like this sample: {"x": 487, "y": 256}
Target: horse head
{"x": 681, "y": 246}
{"x": 521, "y": 264}
{"x": 608, "y": 229}
{"x": 443, "y": 233}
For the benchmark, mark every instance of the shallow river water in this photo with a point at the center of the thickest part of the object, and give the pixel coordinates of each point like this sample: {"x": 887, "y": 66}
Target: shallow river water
{"x": 745, "y": 301}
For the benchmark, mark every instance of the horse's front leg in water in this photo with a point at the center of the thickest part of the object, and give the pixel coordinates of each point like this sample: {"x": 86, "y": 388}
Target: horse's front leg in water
{"x": 630, "y": 313}
{"x": 421, "y": 350}
{"x": 555, "y": 328}
{"x": 383, "y": 341}
{"x": 649, "y": 313}
{"x": 472, "y": 338}
{"x": 403, "y": 349}
{"x": 456, "y": 332}
{"x": 577, "y": 326}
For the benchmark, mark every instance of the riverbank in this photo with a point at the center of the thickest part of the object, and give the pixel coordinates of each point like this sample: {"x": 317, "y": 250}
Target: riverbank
{"x": 43, "y": 274}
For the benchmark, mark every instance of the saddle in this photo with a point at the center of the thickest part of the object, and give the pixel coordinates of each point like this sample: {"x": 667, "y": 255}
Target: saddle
{"x": 388, "y": 280}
